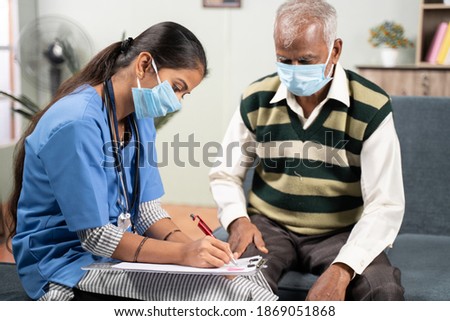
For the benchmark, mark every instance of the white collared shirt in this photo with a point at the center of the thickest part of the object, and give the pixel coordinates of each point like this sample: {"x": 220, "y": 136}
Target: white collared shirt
{"x": 381, "y": 179}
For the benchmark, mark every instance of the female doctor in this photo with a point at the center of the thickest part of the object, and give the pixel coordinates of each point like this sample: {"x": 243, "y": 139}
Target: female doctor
{"x": 87, "y": 190}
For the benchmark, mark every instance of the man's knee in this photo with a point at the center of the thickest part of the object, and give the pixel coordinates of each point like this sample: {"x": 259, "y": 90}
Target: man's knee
{"x": 388, "y": 292}
{"x": 378, "y": 285}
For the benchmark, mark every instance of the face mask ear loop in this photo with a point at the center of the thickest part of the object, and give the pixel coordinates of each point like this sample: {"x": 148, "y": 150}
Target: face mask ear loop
{"x": 138, "y": 83}
{"x": 331, "y": 71}
{"x": 156, "y": 70}
{"x": 326, "y": 63}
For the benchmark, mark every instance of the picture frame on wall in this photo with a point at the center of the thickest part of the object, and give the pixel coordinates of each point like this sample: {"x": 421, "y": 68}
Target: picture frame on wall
{"x": 222, "y": 3}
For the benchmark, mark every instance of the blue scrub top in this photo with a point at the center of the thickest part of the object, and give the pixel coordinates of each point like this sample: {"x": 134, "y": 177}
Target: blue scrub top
{"x": 70, "y": 184}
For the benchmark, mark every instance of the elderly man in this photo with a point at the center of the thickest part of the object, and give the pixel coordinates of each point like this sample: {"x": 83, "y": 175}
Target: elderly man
{"x": 327, "y": 195}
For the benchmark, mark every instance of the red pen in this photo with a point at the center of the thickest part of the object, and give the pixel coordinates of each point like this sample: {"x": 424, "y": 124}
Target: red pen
{"x": 205, "y": 229}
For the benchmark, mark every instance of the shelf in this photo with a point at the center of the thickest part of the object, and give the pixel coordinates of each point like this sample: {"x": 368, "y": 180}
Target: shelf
{"x": 420, "y": 66}
{"x": 425, "y": 65}
{"x": 432, "y": 14}
{"x": 435, "y": 6}
{"x": 409, "y": 80}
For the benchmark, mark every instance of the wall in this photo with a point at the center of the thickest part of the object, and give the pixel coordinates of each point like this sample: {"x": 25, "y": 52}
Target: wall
{"x": 6, "y": 179}
{"x": 240, "y": 50}
{"x": 26, "y": 11}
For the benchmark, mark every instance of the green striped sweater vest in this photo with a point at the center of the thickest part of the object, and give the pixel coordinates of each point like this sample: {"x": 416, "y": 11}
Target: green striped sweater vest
{"x": 309, "y": 180}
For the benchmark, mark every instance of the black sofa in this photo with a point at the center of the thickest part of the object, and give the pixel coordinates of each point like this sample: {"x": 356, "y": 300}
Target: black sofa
{"x": 422, "y": 249}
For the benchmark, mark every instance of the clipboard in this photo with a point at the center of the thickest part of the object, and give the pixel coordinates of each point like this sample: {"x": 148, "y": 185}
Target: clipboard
{"x": 245, "y": 266}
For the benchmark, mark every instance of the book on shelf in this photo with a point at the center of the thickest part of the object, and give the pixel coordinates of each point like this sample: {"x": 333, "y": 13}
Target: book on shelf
{"x": 447, "y": 59}
{"x": 444, "y": 48}
{"x": 436, "y": 42}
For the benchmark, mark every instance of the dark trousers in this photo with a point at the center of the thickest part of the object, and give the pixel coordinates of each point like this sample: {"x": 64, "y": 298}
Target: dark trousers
{"x": 290, "y": 251}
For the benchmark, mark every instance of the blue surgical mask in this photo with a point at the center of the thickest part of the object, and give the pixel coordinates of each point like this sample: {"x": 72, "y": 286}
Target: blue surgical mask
{"x": 304, "y": 80}
{"x": 155, "y": 102}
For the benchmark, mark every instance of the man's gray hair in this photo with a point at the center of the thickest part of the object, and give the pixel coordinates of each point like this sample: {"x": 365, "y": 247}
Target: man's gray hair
{"x": 295, "y": 14}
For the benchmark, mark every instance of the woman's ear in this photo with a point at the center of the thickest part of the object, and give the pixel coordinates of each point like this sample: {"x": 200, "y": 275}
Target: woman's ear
{"x": 144, "y": 64}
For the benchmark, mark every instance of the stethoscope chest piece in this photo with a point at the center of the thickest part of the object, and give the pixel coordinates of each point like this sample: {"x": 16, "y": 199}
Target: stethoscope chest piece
{"x": 124, "y": 221}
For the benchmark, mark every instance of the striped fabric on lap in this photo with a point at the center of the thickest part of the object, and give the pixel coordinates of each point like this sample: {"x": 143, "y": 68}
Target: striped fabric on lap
{"x": 176, "y": 287}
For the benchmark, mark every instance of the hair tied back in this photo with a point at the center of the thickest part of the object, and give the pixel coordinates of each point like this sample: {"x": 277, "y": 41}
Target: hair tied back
{"x": 126, "y": 44}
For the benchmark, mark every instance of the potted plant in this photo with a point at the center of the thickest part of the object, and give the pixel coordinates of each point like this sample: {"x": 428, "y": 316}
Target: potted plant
{"x": 27, "y": 107}
{"x": 390, "y": 36}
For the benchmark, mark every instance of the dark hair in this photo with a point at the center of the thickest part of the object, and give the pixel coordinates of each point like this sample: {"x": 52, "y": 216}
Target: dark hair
{"x": 170, "y": 44}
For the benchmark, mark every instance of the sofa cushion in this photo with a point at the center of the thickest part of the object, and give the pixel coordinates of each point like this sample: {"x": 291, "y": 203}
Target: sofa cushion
{"x": 11, "y": 289}
{"x": 294, "y": 286}
{"x": 423, "y": 131}
{"x": 424, "y": 262}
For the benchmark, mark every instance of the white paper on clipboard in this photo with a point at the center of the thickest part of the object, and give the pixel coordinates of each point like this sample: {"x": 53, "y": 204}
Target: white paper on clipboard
{"x": 245, "y": 266}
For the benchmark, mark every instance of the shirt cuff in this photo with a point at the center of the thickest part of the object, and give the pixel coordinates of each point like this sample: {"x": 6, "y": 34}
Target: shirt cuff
{"x": 101, "y": 241}
{"x": 354, "y": 256}
{"x": 230, "y": 213}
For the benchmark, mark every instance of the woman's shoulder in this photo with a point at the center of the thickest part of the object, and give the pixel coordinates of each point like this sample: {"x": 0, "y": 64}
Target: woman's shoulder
{"x": 82, "y": 105}
{"x": 84, "y": 102}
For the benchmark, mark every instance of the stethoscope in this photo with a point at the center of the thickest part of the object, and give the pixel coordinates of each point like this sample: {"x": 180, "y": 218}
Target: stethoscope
{"x": 124, "y": 220}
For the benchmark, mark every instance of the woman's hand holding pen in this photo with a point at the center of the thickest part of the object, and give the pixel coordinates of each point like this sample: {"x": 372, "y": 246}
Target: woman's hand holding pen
{"x": 242, "y": 234}
{"x": 206, "y": 252}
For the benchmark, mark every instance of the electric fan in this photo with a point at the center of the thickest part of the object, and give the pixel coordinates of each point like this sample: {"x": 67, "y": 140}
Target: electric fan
{"x": 51, "y": 49}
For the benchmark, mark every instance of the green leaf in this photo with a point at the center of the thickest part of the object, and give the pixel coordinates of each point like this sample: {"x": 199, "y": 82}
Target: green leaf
{"x": 26, "y": 114}
{"x": 32, "y": 108}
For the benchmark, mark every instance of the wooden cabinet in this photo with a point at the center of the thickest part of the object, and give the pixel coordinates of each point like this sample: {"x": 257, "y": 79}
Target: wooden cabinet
{"x": 409, "y": 80}
{"x": 432, "y": 13}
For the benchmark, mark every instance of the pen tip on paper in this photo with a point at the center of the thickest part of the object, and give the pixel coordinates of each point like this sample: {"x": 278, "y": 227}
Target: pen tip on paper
{"x": 193, "y": 217}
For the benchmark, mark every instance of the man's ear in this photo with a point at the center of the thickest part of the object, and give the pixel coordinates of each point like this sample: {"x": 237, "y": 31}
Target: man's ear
{"x": 337, "y": 50}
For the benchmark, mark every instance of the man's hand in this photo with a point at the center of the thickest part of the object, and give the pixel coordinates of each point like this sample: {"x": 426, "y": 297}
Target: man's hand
{"x": 242, "y": 234}
{"x": 332, "y": 284}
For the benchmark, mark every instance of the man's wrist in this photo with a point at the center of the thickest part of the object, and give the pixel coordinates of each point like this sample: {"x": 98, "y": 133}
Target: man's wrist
{"x": 230, "y": 213}
{"x": 345, "y": 269}
{"x": 238, "y": 221}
